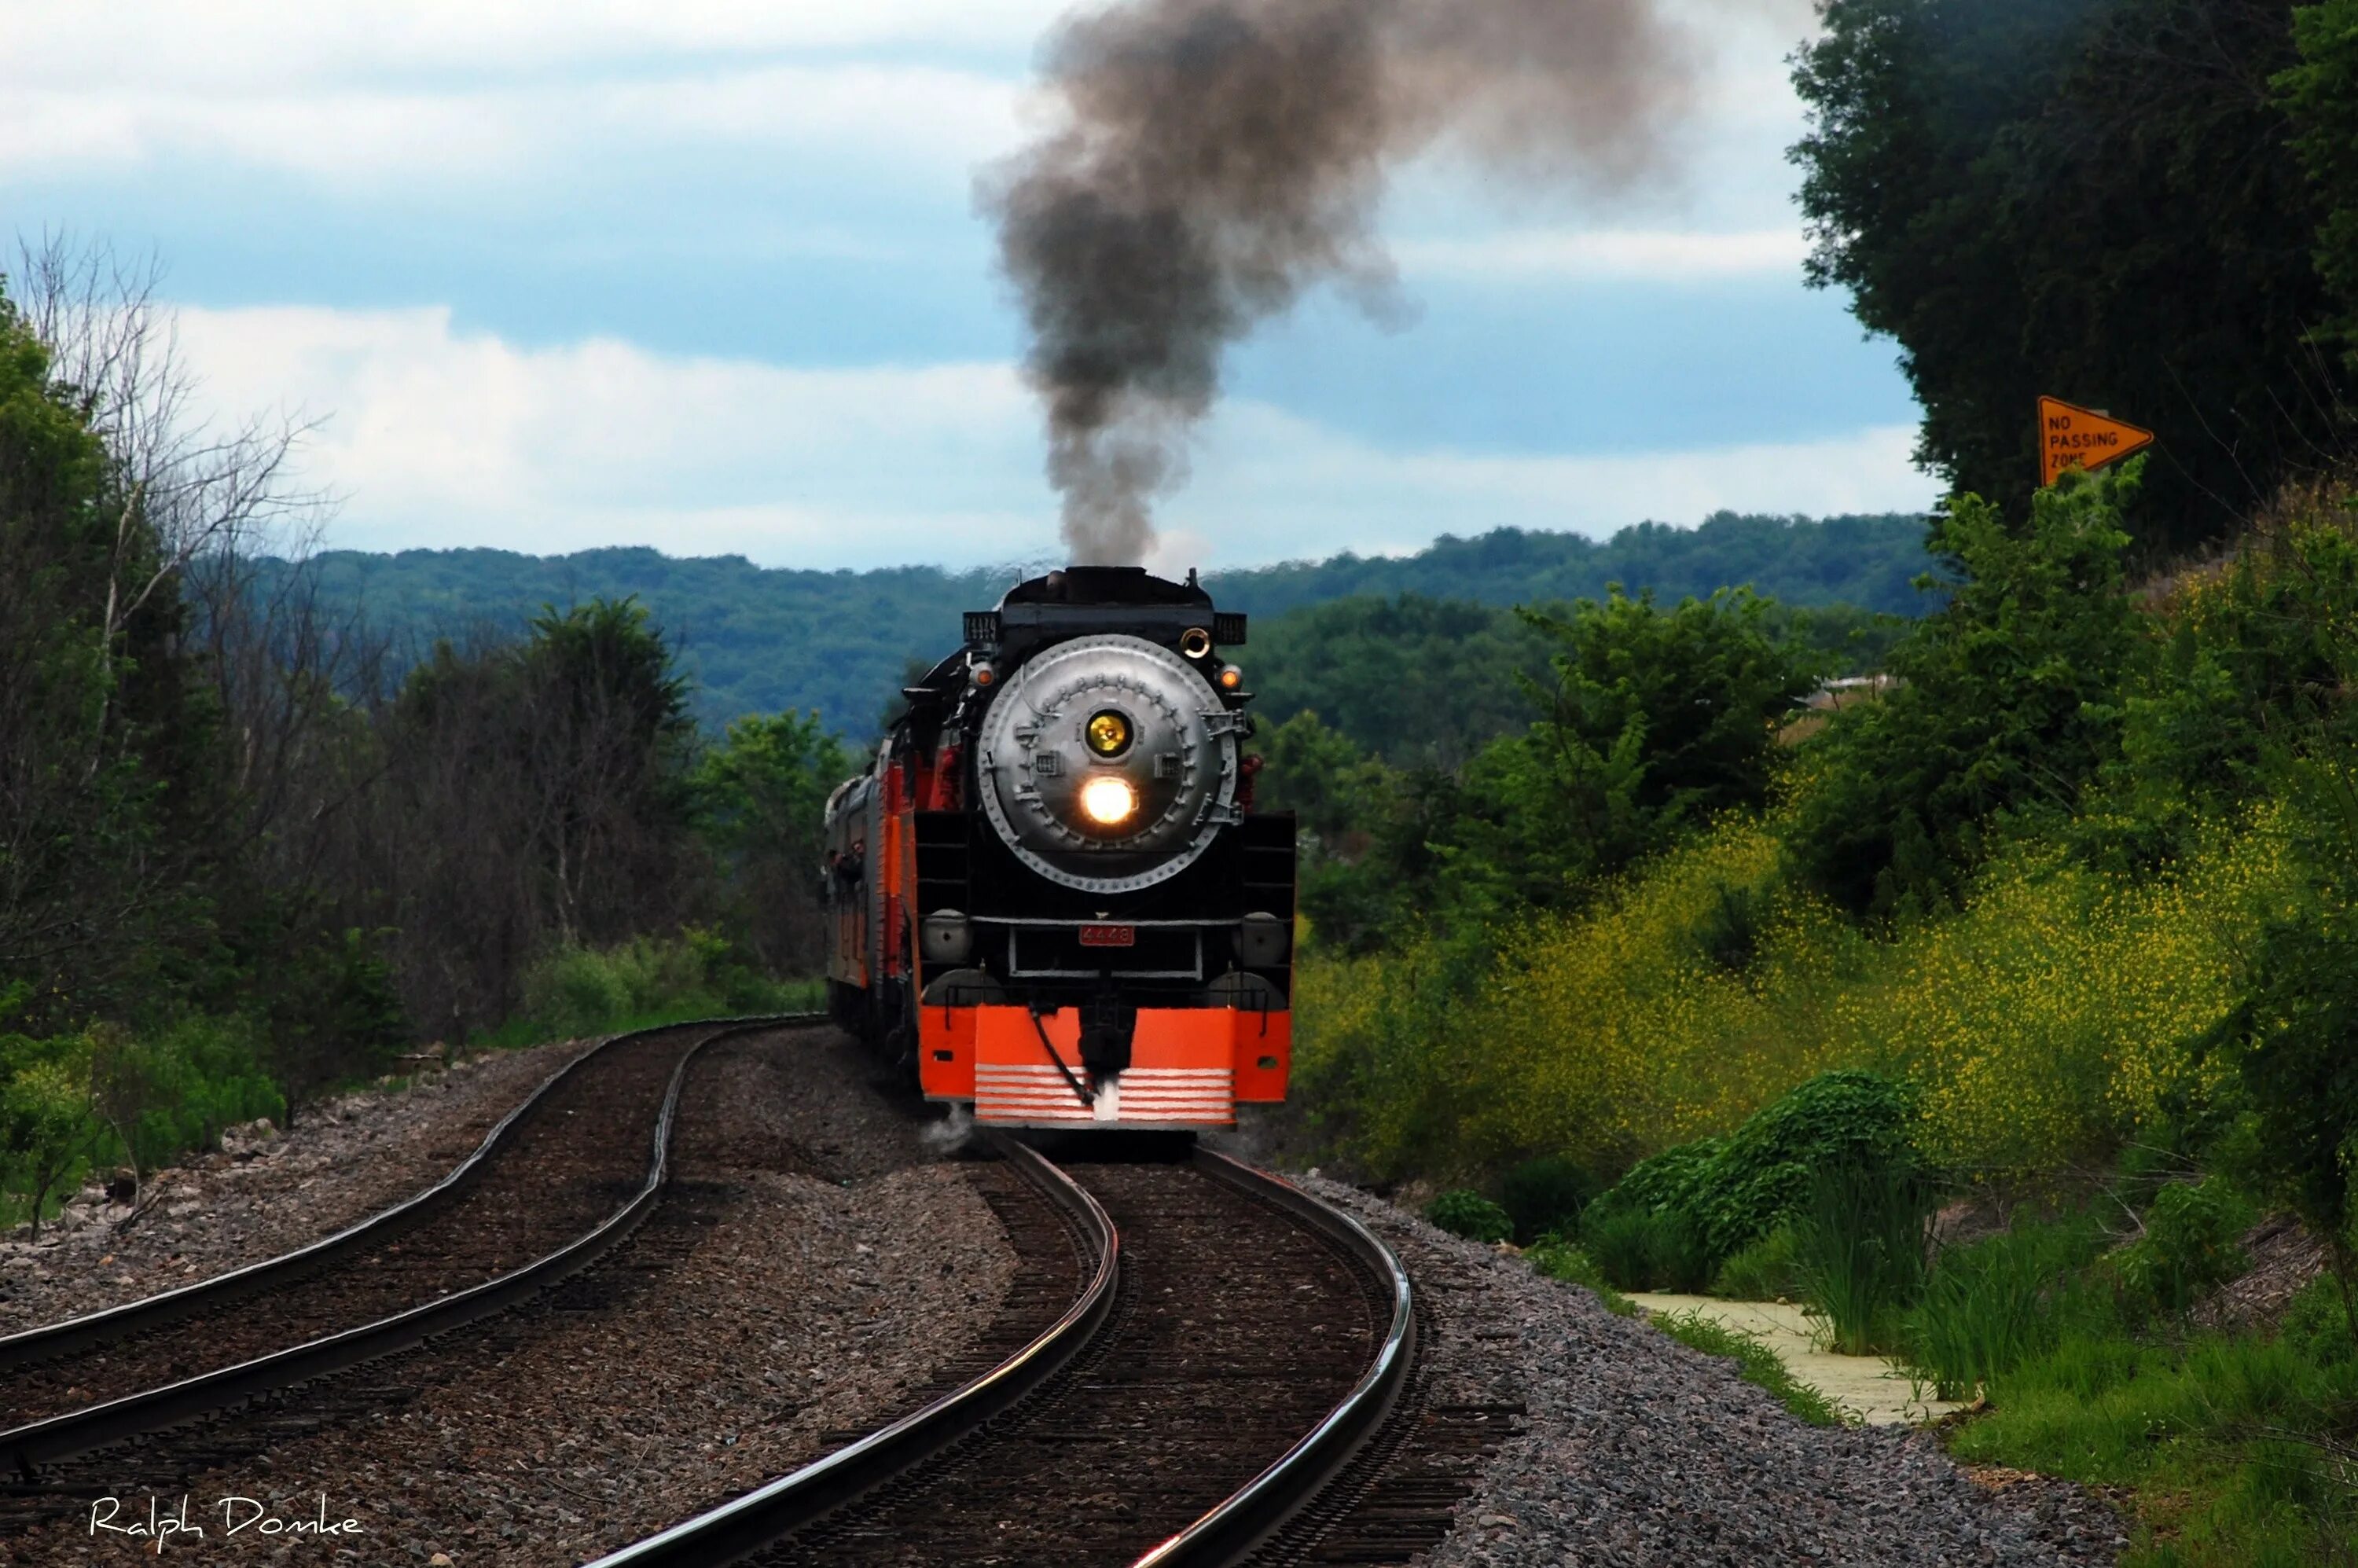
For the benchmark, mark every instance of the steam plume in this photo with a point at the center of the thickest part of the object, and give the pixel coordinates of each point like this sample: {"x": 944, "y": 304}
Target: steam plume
{"x": 1217, "y": 158}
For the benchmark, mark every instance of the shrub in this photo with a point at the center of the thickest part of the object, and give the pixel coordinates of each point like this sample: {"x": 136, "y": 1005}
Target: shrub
{"x": 1768, "y": 1271}
{"x": 1557, "y": 1259}
{"x": 1860, "y": 1248}
{"x": 2190, "y": 1246}
{"x": 1642, "y": 1248}
{"x": 647, "y": 980}
{"x": 1763, "y": 1177}
{"x": 1471, "y": 1216}
{"x": 1546, "y": 1195}
{"x": 2003, "y": 704}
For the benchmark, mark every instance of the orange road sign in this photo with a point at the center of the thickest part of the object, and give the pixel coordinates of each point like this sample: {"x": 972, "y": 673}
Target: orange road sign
{"x": 2072, "y": 436}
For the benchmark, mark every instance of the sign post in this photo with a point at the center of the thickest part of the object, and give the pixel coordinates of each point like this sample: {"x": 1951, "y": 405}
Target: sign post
{"x": 2072, "y": 436}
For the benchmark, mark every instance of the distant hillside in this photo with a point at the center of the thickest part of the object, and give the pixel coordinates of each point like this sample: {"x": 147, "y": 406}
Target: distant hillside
{"x": 761, "y": 639}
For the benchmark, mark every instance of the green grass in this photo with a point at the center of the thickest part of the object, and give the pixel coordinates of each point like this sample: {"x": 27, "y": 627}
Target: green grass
{"x": 1993, "y": 1305}
{"x": 1755, "y": 1364}
{"x": 2237, "y": 1448}
{"x": 1768, "y": 1271}
{"x": 1560, "y": 1260}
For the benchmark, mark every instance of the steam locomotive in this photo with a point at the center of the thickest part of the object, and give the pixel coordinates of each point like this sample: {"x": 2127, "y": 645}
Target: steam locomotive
{"x": 1051, "y": 894}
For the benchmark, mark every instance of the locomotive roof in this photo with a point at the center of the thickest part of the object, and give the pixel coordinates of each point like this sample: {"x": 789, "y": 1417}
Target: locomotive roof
{"x": 1107, "y": 585}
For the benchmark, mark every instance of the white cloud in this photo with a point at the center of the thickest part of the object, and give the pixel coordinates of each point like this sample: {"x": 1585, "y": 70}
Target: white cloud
{"x": 461, "y": 137}
{"x": 1645, "y": 253}
{"x": 270, "y": 45}
{"x": 440, "y": 437}
{"x": 1281, "y": 486}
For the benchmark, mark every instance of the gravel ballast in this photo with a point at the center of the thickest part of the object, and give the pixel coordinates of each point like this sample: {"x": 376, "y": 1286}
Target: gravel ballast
{"x": 1638, "y": 1451}
{"x": 267, "y": 1192}
{"x": 813, "y": 1265}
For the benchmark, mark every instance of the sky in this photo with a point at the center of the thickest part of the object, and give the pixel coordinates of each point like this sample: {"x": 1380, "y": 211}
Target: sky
{"x": 708, "y": 275}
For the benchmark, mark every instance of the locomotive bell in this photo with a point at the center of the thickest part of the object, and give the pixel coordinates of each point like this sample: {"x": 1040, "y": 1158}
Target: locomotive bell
{"x": 1110, "y": 763}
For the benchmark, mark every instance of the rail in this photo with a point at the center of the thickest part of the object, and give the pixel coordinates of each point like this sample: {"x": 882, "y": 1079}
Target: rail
{"x": 28, "y": 1446}
{"x": 759, "y": 1516}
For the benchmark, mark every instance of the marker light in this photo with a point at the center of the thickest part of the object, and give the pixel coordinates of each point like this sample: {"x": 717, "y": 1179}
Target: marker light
{"x": 1231, "y": 677}
{"x": 1108, "y": 801}
{"x": 1108, "y": 734}
{"x": 984, "y": 674}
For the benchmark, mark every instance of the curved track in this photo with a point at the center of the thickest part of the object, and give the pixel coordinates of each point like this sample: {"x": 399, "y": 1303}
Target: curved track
{"x": 1235, "y": 1343}
{"x": 555, "y": 1185}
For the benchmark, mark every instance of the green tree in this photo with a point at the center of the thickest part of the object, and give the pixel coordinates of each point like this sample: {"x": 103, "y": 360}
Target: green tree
{"x": 1656, "y": 720}
{"x": 1411, "y": 679}
{"x": 2322, "y": 95}
{"x": 762, "y": 804}
{"x": 2096, "y": 198}
{"x": 106, "y": 788}
{"x": 2002, "y": 709}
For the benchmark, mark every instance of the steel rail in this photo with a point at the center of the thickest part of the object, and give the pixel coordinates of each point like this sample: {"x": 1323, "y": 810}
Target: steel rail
{"x": 757, "y": 1519}
{"x": 27, "y": 1447}
{"x": 1231, "y": 1532}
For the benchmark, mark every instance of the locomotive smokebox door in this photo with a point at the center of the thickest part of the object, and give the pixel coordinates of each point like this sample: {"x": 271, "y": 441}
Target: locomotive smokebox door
{"x": 1108, "y": 1026}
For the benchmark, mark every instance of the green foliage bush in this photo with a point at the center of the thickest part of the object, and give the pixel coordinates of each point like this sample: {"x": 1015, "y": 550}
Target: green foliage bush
{"x": 1558, "y": 1258}
{"x": 1546, "y": 1195}
{"x": 1770, "y": 1269}
{"x": 2190, "y": 1246}
{"x": 1470, "y": 1215}
{"x": 2002, "y": 712}
{"x": 1647, "y": 1248}
{"x": 578, "y": 991}
{"x": 1762, "y": 1177}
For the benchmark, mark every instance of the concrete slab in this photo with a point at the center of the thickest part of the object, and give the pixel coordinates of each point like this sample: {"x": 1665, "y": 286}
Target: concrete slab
{"x": 1868, "y": 1385}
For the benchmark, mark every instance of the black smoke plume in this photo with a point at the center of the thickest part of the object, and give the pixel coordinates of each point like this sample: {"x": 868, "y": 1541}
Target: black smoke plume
{"x": 1215, "y": 157}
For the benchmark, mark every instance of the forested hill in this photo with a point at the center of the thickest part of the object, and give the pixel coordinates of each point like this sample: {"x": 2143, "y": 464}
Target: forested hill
{"x": 763, "y": 639}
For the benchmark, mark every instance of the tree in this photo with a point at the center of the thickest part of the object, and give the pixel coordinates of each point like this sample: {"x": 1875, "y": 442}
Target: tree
{"x": 2002, "y": 709}
{"x": 762, "y": 804}
{"x": 2290, "y": 1038}
{"x": 2096, "y": 198}
{"x": 1655, "y": 722}
{"x": 2321, "y": 94}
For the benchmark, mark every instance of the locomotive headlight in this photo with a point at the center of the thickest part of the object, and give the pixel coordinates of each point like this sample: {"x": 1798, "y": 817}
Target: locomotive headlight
{"x": 1108, "y": 801}
{"x": 1108, "y": 734}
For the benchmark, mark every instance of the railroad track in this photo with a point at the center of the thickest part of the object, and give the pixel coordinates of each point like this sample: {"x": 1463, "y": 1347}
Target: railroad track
{"x": 556, "y": 1185}
{"x": 1219, "y": 1387}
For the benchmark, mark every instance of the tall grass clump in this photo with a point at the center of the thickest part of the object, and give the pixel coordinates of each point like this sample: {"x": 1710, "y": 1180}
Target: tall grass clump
{"x": 1992, "y": 1305}
{"x": 1859, "y": 1250}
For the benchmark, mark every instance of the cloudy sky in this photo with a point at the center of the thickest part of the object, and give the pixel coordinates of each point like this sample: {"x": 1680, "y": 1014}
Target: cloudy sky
{"x": 707, "y": 275}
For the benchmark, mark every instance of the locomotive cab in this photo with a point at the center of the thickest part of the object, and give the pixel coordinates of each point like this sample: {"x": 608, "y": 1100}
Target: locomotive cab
{"x": 1079, "y": 918}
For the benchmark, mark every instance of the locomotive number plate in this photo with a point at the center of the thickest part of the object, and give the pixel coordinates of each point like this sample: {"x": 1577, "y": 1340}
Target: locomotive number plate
{"x": 1108, "y": 935}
